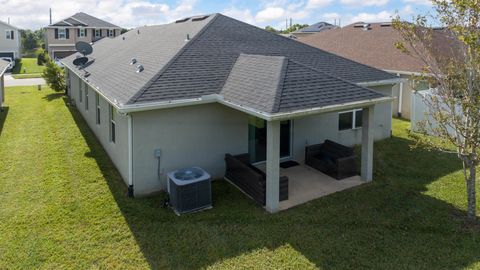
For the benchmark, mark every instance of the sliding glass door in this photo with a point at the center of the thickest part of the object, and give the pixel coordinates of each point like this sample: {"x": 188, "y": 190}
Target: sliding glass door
{"x": 257, "y": 139}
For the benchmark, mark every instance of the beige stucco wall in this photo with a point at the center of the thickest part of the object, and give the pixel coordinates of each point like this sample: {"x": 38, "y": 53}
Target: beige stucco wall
{"x": 316, "y": 129}
{"x": 189, "y": 136}
{"x": 117, "y": 151}
{"x": 72, "y": 40}
{"x": 8, "y": 45}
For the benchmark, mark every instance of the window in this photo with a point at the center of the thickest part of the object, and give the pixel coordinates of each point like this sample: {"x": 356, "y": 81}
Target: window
{"x": 350, "y": 120}
{"x": 86, "y": 97}
{"x": 82, "y": 32}
{"x": 97, "y": 105}
{"x": 9, "y": 34}
{"x": 113, "y": 112}
{"x": 62, "y": 33}
{"x": 111, "y": 33}
{"x": 80, "y": 86}
{"x": 98, "y": 32}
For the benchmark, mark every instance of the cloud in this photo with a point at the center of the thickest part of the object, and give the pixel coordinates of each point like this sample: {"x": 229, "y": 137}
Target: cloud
{"x": 312, "y": 4}
{"x": 244, "y": 15}
{"x": 125, "y": 13}
{"x": 364, "y": 3}
{"x": 270, "y": 14}
{"x": 382, "y": 16}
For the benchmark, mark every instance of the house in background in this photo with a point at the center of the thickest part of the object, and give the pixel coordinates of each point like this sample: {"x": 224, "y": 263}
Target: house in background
{"x": 61, "y": 37}
{"x": 313, "y": 29}
{"x": 209, "y": 85}
{"x": 10, "y": 41}
{"x": 3, "y": 67}
{"x": 373, "y": 44}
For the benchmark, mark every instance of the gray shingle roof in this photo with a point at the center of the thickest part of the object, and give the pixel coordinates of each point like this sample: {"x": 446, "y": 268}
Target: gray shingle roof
{"x": 317, "y": 27}
{"x": 276, "y": 84}
{"x": 178, "y": 69}
{"x": 84, "y": 19}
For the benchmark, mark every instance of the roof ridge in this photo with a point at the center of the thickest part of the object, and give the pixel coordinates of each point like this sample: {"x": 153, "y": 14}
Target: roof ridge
{"x": 333, "y": 76}
{"x": 280, "y": 85}
{"x": 145, "y": 87}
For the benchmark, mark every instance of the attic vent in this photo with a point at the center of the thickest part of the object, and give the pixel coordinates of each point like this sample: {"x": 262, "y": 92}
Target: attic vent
{"x": 385, "y": 24}
{"x": 133, "y": 61}
{"x": 365, "y": 26}
{"x": 182, "y": 20}
{"x": 200, "y": 18}
{"x": 139, "y": 68}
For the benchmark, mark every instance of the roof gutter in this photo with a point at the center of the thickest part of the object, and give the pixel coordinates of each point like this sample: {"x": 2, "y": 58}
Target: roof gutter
{"x": 410, "y": 73}
{"x": 382, "y": 82}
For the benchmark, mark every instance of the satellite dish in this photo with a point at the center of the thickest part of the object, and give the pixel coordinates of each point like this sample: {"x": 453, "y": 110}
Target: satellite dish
{"x": 84, "y": 48}
{"x": 80, "y": 61}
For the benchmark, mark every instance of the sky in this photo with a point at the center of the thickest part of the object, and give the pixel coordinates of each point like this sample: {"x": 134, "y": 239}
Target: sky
{"x": 34, "y": 14}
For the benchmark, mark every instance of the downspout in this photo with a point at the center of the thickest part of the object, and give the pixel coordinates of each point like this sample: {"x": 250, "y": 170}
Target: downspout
{"x": 130, "y": 155}
{"x": 400, "y": 97}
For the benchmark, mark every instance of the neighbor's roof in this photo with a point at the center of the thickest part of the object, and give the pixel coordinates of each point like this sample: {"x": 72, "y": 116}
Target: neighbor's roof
{"x": 213, "y": 58}
{"x": 317, "y": 27}
{"x": 83, "y": 19}
{"x": 3, "y": 66}
{"x": 374, "y": 47}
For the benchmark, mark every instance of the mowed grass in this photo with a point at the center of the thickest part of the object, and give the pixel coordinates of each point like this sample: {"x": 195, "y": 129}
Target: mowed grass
{"x": 63, "y": 206}
{"x": 27, "y": 66}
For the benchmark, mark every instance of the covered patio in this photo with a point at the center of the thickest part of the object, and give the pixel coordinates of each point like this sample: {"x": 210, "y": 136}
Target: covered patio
{"x": 307, "y": 183}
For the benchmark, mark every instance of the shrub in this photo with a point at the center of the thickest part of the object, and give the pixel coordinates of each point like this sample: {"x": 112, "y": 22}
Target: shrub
{"x": 54, "y": 75}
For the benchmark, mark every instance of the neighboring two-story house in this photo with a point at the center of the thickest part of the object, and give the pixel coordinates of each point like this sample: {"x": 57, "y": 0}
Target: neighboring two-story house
{"x": 9, "y": 41}
{"x": 61, "y": 37}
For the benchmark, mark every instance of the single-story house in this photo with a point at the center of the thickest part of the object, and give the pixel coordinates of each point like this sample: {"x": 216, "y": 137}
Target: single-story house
{"x": 373, "y": 44}
{"x": 184, "y": 94}
{"x": 3, "y": 67}
{"x": 10, "y": 41}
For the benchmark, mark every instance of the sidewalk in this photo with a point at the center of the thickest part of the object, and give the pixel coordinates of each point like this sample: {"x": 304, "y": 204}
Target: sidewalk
{"x": 10, "y": 81}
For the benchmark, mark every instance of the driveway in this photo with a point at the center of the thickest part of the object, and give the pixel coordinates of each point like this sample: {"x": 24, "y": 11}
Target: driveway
{"x": 10, "y": 81}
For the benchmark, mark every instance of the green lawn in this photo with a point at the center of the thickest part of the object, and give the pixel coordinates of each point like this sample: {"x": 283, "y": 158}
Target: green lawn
{"x": 63, "y": 206}
{"x": 27, "y": 66}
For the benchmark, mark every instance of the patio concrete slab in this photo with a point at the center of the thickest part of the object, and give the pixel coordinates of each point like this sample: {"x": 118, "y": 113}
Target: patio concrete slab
{"x": 306, "y": 184}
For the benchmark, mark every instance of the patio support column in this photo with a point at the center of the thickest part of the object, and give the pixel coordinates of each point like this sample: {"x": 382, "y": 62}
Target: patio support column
{"x": 367, "y": 143}
{"x": 273, "y": 166}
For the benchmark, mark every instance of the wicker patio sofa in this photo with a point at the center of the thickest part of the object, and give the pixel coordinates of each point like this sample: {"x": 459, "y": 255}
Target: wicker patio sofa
{"x": 331, "y": 158}
{"x": 250, "y": 179}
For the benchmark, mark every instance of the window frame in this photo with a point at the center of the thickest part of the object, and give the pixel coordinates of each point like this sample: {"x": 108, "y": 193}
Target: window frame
{"x": 82, "y": 32}
{"x": 86, "y": 96}
{"x": 8, "y": 34}
{"x": 99, "y": 32}
{"x": 110, "y": 32}
{"x": 354, "y": 119}
{"x": 113, "y": 124}
{"x": 64, "y": 30}
{"x": 97, "y": 105}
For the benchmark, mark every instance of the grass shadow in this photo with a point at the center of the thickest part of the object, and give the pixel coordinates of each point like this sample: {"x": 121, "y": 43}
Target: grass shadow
{"x": 53, "y": 96}
{"x": 389, "y": 223}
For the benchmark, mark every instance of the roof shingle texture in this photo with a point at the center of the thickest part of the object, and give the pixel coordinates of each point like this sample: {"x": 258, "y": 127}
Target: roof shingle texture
{"x": 316, "y": 27}
{"x": 375, "y": 47}
{"x": 178, "y": 69}
{"x": 84, "y": 19}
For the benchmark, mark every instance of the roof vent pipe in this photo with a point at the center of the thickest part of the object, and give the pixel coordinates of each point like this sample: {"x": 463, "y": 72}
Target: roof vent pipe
{"x": 139, "y": 68}
{"x": 188, "y": 37}
{"x": 133, "y": 61}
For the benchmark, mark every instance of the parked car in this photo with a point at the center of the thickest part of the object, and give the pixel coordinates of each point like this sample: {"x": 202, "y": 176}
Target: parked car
{"x": 12, "y": 62}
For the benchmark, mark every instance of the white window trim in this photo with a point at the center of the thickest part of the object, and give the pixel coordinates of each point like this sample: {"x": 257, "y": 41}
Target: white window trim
{"x": 64, "y": 33}
{"x": 112, "y": 121}
{"x": 354, "y": 119}
{"x": 98, "y": 120}
{"x": 110, "y": 32}
{"x": 82, "y": 32}
{"x": 99, "y": 32}
{"x": 8, "y": 34}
